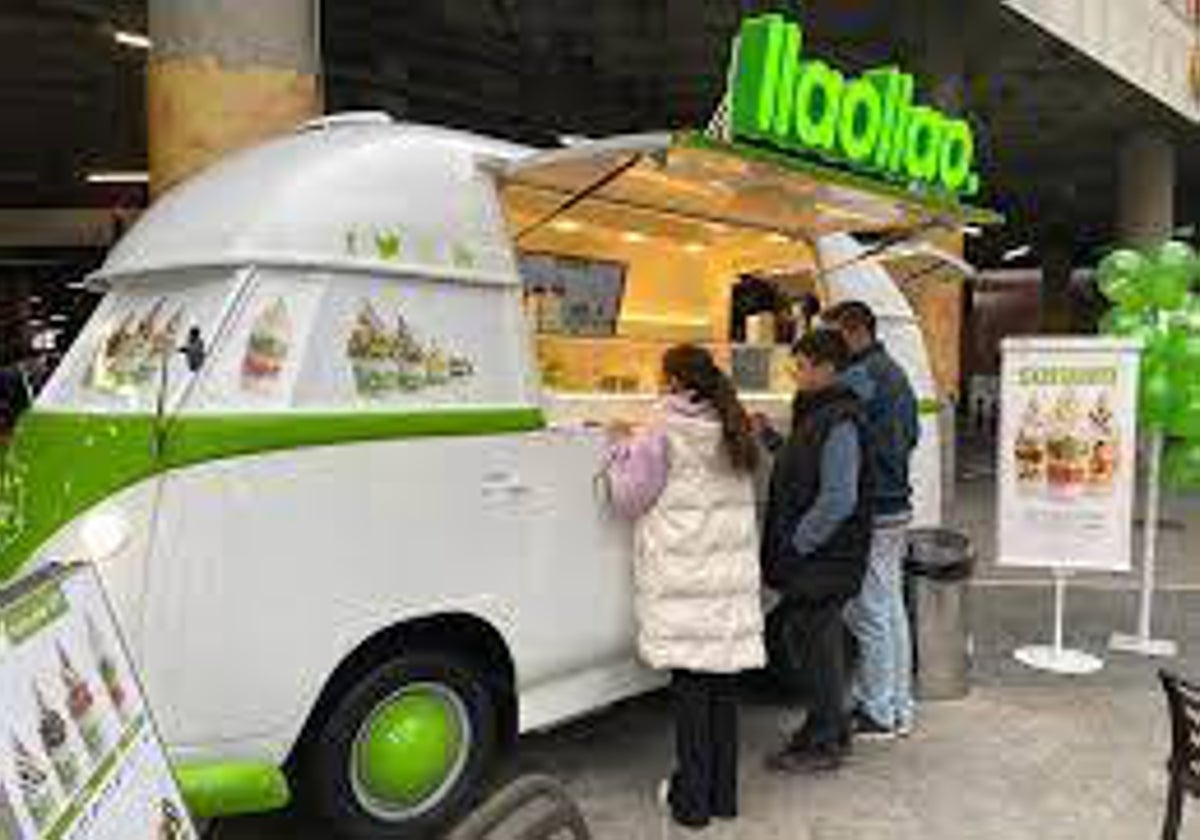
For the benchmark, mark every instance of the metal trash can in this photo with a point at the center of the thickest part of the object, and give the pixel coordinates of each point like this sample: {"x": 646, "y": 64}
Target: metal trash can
{"x": 938, "y": 571}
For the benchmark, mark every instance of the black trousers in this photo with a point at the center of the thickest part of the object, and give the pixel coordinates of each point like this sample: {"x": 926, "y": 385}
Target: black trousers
{"x": 815, "y": 634}
{"x": 706, "y": 747}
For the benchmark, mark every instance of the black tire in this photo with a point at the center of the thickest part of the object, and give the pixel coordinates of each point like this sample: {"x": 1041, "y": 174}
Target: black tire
{"x": 328, "y": 783}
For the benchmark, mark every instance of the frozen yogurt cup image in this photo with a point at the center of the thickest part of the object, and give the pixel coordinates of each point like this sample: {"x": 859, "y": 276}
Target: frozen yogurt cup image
{"x": 37, "y": 790}
{"x": 411, "y": 369}
{"x": 1029, "y": 448}
{"x": 371, "y": 350}
{"x": 267, "y": 347}
{"x": 52, "y": 729}
{"x": 1103, "y": 447}
{"x": 81, "y": 706}
{"x": 1067, "y": 448}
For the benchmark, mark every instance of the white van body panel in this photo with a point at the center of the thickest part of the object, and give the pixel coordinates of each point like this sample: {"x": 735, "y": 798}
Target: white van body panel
{"x": 245, "y": 604}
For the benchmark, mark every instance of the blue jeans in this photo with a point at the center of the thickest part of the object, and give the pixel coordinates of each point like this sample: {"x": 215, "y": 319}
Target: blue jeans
{"x": 879, "y": 620}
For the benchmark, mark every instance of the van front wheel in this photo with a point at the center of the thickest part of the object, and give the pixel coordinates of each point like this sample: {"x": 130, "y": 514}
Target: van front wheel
{"x": 404, "y": 752}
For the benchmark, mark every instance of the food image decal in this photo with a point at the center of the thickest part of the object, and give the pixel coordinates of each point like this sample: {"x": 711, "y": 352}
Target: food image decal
{"x": 171, "y": 825}
{"x": 10, "y": 826}
{"x": 267, "y": 347}
{"x": 131, "y": 356}
{"x": 388, "y": 360}
{"x": 36, "y": 788}
{"x": 108, "y": 671}
{"x": 1102, "y": 465}
{"x": 1066, "y": 448}
{"x": 81, "y": 705}
{"x": 1030, "y": 447}
{"x": 53, "y": 731}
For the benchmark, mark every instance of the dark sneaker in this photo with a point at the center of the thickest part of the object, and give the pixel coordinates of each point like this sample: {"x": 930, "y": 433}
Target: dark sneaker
{"x": 869, "y": 729}
{"x": 808, "y": 758}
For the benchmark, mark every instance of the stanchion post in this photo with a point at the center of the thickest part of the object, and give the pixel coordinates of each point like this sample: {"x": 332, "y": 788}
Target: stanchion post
{"x": 1143, "y": 641}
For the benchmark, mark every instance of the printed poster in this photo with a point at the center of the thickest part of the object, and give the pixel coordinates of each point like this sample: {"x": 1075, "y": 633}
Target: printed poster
{"x": 1068, "y": 452}
{"x": 79, "y": 757}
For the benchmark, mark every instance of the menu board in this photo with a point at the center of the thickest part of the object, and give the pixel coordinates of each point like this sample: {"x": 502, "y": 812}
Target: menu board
{"x": 79, "y": 757}
{"x": 572, "y": 296}
{"x": 1068, "y": 451}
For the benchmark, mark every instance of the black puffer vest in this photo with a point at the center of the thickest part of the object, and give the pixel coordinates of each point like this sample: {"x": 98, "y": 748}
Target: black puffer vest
{"x": 835, "y": 571}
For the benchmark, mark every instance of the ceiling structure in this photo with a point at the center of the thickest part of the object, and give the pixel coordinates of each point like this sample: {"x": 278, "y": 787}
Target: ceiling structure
{"x": 534, "y": 70}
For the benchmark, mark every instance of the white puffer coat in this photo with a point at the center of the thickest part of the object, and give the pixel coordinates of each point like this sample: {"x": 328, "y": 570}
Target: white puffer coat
{"x": 699, "y": 604}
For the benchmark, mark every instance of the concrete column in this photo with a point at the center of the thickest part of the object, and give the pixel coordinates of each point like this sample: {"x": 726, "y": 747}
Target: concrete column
{"x": 1146, "y": 190}
{"x": 225, "y": 74}
{"x": 1058, "y": 255}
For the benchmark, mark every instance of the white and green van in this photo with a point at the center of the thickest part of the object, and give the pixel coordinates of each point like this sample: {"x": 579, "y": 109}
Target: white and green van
{"x": 347, "y": 534}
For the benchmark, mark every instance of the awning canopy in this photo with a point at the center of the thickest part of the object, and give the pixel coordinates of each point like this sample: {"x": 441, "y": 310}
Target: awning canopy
{"x": 692, "y": 178}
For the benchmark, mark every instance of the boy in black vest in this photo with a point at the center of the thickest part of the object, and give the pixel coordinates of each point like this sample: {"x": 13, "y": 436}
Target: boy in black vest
{"x": 816, "y": 540}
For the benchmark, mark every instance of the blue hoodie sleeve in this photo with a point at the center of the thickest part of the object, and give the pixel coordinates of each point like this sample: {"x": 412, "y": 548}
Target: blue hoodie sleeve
{"x": 841, "y": 460}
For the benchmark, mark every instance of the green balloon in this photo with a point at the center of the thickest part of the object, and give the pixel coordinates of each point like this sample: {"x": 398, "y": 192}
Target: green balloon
{"x": 1181, "y": 467}
{"x": 1157, "y": 398}
{"x": 1125, "y": 324}
{"x": 1123, "y": 261}
{"x": 1185, "y": 418}
{"x": 1118, "y": 274}
{"x": 1166, "y": 286}
{"x": 1180, "y": 257}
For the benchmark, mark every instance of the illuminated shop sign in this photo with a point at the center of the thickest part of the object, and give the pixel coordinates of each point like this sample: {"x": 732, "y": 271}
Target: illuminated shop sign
{"x": 873, "y": 123}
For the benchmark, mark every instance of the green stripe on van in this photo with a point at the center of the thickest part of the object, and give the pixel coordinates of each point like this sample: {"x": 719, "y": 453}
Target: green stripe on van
{"x": 60, "y": 464}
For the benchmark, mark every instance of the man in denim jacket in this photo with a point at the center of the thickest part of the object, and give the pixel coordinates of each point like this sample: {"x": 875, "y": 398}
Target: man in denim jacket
{"x": 883, "y": 696}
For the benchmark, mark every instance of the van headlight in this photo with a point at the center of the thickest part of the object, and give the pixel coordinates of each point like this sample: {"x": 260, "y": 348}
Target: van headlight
{"x": 103, "y": 534}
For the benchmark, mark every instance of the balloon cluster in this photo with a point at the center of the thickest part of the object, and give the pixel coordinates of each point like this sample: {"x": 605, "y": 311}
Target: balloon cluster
{"x": 1154, "y": 298}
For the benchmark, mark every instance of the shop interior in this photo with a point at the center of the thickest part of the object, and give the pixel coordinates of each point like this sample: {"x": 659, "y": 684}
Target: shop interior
{"x": 628, "y": 248}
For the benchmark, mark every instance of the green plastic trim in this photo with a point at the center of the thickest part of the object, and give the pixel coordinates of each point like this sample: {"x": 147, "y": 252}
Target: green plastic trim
{"x": 230, "y": 790}
{"x": 410, "y": 746}
{"x": 929, "y": 405}
{"x": 61, "y": 464}
{"x": 933, "y": 202}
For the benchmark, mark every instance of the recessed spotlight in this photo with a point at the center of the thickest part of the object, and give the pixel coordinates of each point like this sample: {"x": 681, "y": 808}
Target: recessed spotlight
{"x": 694, "y": 247}
{"x": 58, "y": 317}
{"x": 566, "y": 225}
{"x": 777, "y": 238}
{"x": 633, "y": 236}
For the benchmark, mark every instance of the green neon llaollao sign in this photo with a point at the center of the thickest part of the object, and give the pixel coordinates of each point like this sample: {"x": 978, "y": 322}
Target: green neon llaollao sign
{"x": 871, "y": 123}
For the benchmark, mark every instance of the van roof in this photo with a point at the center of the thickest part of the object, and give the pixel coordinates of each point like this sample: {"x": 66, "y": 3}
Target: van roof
{"x": 347, "y": 192}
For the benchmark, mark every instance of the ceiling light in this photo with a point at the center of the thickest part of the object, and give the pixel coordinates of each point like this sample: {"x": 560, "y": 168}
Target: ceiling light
{"x": 717, "y": 228}
{"x": 132, "y": 39}
{"x": 58, "y": 317}
{"x": 777, "y": 238}
{"x": 633, "y": 236}
{"x": 566, "y": 225}
{"x": 1017, "y": 253}
{"x": 119, "y": 177}
{"x": 694, "y": 247}
{"x": 972, "y": 230}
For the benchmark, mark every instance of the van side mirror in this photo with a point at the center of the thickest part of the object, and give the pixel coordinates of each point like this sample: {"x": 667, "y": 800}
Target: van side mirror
{"x": 194, "y": 350}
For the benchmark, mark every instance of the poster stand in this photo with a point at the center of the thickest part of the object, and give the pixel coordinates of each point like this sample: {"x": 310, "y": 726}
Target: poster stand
{"x": 1142, "y": 641}
{"x": 1056, "y": 657}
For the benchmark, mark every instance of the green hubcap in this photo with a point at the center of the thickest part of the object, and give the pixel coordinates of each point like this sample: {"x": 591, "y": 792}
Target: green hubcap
{"x": 410, "y": 751}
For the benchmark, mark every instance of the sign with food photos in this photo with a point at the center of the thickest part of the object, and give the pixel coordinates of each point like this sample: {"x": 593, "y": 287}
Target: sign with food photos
{"x": 1068, "y": 452}
{"x": 79, "y": 757}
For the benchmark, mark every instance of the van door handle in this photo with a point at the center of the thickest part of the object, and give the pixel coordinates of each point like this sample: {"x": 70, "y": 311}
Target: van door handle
{"x": 504, "y": 484}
